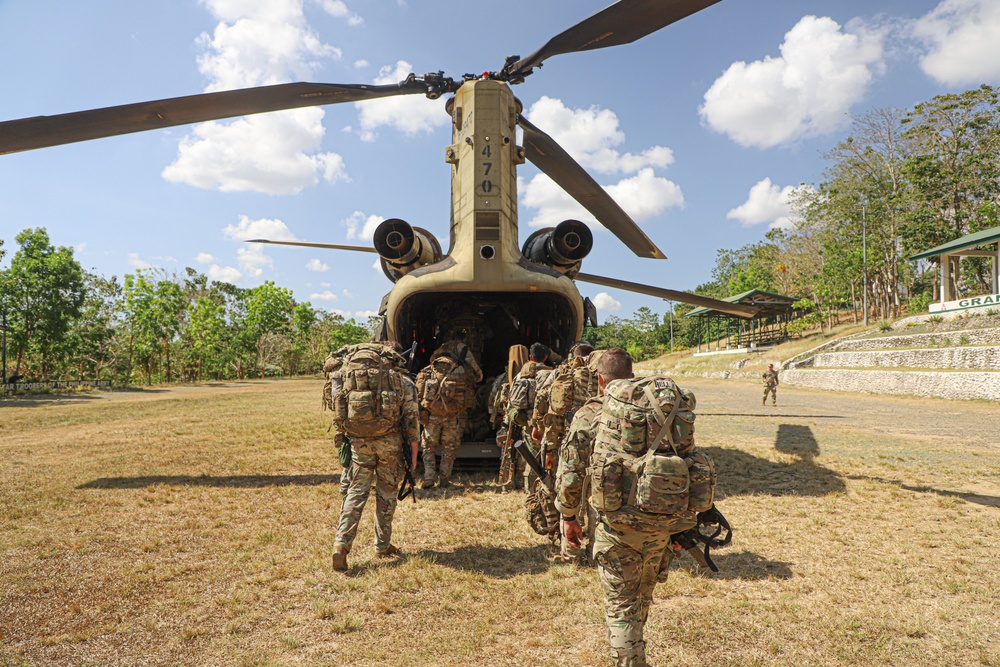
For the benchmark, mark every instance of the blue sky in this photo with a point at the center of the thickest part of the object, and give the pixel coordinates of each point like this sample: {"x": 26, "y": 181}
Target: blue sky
{"x": 700, "y": 130}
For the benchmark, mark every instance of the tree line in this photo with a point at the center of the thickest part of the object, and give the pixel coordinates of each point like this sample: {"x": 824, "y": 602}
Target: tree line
{"x": 62, "y": 322}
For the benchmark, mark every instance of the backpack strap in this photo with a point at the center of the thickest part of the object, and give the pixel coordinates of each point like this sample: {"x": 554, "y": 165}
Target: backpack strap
{"x": 664, "y": 421}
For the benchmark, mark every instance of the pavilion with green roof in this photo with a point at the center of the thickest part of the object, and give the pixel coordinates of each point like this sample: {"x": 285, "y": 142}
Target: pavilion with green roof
{"x": 948, "y": 254}
{"x": 765, "y": 329}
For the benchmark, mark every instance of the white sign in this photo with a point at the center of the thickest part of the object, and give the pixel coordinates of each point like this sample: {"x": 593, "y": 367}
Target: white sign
{"x": 989, "y": 300}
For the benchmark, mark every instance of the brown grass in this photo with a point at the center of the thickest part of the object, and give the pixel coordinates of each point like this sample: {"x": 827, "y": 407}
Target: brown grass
{"x": 194, "y": 526}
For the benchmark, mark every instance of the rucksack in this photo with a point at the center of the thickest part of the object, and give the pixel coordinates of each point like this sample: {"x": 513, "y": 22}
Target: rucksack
{"x": 592, "y": 359}
{"x": 644, "y": 453}
{"x": 569, "y": 387}
{"x": 444, "y": 387}
{"x": 522, "y": 389}
{"x": 370, "y": 401}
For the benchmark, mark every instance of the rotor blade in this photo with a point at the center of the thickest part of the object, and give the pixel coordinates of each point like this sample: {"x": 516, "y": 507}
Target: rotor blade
{"x": 550, "y": 157}
{"x": 326, "y": 246}
{"x": 44, "y": 131}
{"x": 673, "y": 295}
{"x": 621, "y": 23}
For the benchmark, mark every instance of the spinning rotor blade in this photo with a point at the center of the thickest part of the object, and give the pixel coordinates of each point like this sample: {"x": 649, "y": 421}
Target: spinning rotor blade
{"x": 325, "y": 246}
{"x": 44, "y": 131}
{"x": 550, "y": 157}
{"x": 673, "y": 295}
{"x": 621, "y": 23}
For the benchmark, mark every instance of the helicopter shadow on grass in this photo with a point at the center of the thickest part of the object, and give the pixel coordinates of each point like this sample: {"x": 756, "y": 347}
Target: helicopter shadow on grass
{"x": 496, "y": 562}
{"x": 741, "y": 473}
{"x": 226, "y": 481}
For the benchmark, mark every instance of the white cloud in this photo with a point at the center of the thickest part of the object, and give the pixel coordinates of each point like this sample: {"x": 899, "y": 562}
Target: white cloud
{"x": 807, "y": 91}
{"x": 204, "y": 258}
{"x": 317, "y": 265}
{"x": 361, "y": 227}
{"x": 348, "y": 294}
{"x": 605, "y": 301}
{"x": 325, "y": 284}
{"x": 224, "y": 274}
{"x": 962, "y": 43}
{"x": 339, "y": 10}
{"x": 138, "y": 262}
{"x": 642, "y": 196}
{"x": 258, "y": 43}
{"x": 360, "y": 64}
{"x": 365, "y": 314}
{"x": 767, "y": 203}
{"x": 251, "y": 257}
{"x": 80, "y": 248}
{"x": 590, "y": 135}
{"x": 409, "y": 114}
{"x": 323, "y": 296}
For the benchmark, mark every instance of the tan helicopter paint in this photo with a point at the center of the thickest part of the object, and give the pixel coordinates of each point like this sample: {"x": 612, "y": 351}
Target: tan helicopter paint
{"x": 484, "y": 235}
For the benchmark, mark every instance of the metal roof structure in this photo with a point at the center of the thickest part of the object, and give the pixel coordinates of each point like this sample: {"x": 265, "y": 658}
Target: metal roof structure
{"x": 979, "y": 238}
{"x": 768, "y": 304}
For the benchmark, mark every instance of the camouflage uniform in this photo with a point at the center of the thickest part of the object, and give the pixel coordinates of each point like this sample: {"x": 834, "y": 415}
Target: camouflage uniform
{"x": 553, "y": 425}
{"x": 632, "y": 552}
{"x": 378, "y": 459}
{"x": 461, "y": 353}
{"x": 571, "y": 479}
{"x": 770, "y": 378}
{"x": 440, "y": 433}
{"x": 536, "y": 370}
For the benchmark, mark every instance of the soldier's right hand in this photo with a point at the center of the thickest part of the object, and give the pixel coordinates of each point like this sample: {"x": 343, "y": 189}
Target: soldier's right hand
{"x": 573, "y": 532}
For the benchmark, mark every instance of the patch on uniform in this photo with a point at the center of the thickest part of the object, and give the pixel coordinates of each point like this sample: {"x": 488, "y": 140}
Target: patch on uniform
{"x": 662, "y": 384}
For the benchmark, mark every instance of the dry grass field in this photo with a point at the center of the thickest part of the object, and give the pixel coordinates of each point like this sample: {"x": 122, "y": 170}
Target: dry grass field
{"x": 193, "y": 526}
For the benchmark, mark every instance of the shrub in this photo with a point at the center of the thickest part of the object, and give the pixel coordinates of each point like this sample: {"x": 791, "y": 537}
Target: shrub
{"x": 963, "y": 340}
{"x": 884, "y": 325}
{"x": 935, "y": 318}
{"x": 919, "y": 302}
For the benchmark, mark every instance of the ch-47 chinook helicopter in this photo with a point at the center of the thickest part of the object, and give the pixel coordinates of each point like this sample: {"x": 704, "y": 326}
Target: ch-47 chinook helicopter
{"x": 500, "y": 294}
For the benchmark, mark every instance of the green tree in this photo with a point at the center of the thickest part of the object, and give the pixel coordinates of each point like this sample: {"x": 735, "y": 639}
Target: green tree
{"x": 153, "y": 313}
{"x": 268, "y": 321}
{"x": 43, "y": 295}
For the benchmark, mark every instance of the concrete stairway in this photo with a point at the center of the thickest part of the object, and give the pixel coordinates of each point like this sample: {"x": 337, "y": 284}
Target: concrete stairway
{"x": 959, "y": 363}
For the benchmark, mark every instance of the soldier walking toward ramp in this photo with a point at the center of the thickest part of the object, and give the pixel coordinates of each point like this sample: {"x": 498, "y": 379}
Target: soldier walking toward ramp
{"x": 442, "y": 389}
{"x": 375, "y": 405}
{"x": 770, "y": 378}
{"x": 522, "y": 401}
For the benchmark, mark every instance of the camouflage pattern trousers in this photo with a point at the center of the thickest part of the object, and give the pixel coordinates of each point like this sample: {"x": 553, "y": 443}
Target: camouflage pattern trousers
{"x": 629, "y": 555}
{"x": 444, "y": 434}
{"x": 773, "y": 390}
{"x": 377, "y": 459}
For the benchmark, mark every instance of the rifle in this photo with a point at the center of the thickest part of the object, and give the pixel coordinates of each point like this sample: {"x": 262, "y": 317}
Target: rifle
{"x": 410, "y": 356}
{"x": 689, "y": 539}
{"x": 409, "y": 486}
{"x": 521, "y": 447}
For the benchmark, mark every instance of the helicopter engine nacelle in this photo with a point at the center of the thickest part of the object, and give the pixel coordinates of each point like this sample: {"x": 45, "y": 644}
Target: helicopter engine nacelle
{"x": 562, "y": 247}
{"x": 404, "y": 248}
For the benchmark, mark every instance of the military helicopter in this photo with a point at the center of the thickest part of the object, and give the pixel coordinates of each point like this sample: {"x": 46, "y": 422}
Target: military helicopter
{"x": 486, "y": 285}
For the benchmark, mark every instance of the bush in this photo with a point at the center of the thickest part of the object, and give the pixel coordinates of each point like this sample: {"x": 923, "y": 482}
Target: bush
{"x": 885, "y": 325}
{"x": 919, "y": 302}
{"x": 935, "y": 319}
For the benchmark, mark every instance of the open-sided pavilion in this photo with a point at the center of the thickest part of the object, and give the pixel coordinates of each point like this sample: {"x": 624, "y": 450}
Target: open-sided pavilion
{"x": 985, "y": 243}
{"x": 765, "y": 329}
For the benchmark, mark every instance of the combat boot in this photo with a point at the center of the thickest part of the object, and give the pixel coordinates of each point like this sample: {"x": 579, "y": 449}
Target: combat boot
{"x": 340, "y": 559}
{"x": 444, "y": 483}
{"x": 389, "y": 552}
{"x": 427, "y": 484}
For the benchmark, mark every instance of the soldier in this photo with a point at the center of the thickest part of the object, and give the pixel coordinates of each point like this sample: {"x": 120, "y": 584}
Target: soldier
{"x": 376, "y": 407}
{"x": 770, "y": 378}
{"x": 571, "y": 492}
{"x": 634, "y": 529}
{"x": 522, "y": 401}
{"x": 460, "y": 352}
{"x": 441, "y": 388}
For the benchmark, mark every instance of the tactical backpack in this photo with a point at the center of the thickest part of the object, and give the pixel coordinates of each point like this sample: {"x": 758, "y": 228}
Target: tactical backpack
{"x": 569, "y": 387}
{"x": 592, "y": 359}
{"x": 330, "y": 366}
{"x": 371, "y": 399}
{"x": 524, "y": 386}
{"x": 644, "y": 454}
{"x": 444, "y": 389}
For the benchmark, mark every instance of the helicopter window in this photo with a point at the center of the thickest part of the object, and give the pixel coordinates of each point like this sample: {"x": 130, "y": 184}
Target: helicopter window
{"x": 487, "y": 252}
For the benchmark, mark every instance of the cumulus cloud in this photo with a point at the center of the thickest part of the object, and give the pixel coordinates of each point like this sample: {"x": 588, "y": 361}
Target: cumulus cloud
{"x": 348, "y": 294}
{"x": 360, "y": 64}
{"x": 138, "y": 262}
{"x": 365, "y": 314}
{"x": 961, "y": 41}
{"x": 642, "y": 196}
{"x": 224, "y": 274}
{"x": 323, "y": 296}
{"x": 409, "y": 114}
{"x": 768, "y": 203}
{"x": 807, "y": 91}
{"x": 251, "y": 257}
{"x": 204, "y": 258}
{"x": 361, "y": 227}
{"x": 604, "y": 301}
{"x": 80, "y": 248}
{"x": 590, "y": 136}
{"x": 339, "y": 10}
{"x": 260, "y": 43}
{"x": 317, "y": 265}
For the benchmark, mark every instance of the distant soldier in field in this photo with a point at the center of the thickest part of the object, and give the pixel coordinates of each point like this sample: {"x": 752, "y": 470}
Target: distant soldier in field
{"x": 375, "y": 406}
{"x": 770, "y": 378}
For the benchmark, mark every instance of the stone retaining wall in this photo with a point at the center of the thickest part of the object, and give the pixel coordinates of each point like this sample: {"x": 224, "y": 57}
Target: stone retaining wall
{"x": 931, "y": 384}
{"x": 949, "y": 357}
{"x": 974, "y": 336}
